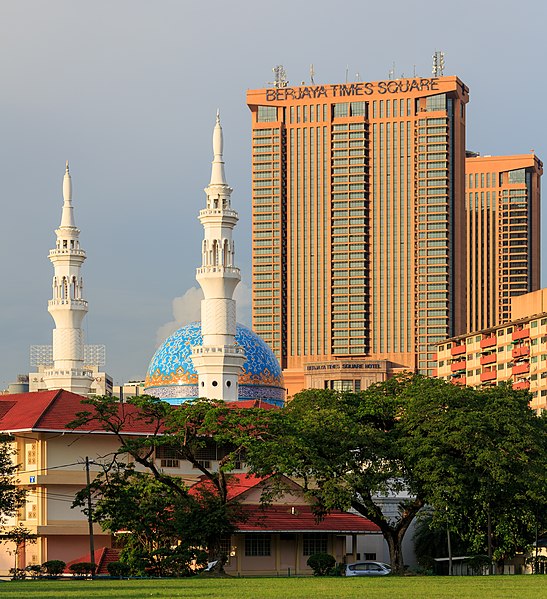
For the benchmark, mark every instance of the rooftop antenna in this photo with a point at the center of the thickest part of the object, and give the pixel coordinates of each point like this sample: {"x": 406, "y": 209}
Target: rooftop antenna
{"x": 347, "y": 69}
{"x": 357, "y": 76}
{"x": 438, "y": 64}
{"x": 280, "y": 77}
{"x": 414, "y": 70}
{"x": 391, "y": 72}
{"x": 312, "y": 73}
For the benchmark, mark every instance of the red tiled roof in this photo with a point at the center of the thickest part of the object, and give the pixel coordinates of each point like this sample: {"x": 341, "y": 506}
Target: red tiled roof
{"x": 53, "y": 410}
{"x": 300, "y": 518}
{"x": 237, "y": 484}
{"x": 252, "y": 403}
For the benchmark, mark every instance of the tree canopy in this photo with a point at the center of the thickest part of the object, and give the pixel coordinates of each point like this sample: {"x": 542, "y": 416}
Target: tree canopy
{"x": 12, "y": 497}
{"x": 476, "y": 456}
{"x": 182, "y": 432}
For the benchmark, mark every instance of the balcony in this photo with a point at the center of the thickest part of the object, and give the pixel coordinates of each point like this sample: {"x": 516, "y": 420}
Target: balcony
{"x": 489, "y": 359}
{"x": 522, "y": 334}
{"x": 457, "y": 350}
{"x": 489, "y": 341}
{"x": 455, "y": 366}
{"x": 520, "y": 351}
{"x": 458, "y": 380}
{"x": 488, "y": 375}
{"x": 520, "y": 369}
{"x": 521, "y": 385}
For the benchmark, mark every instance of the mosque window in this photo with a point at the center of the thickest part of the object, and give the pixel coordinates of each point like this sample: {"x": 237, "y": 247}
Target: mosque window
{"x": 258, "y": 544}
{"x": 214, "y": 383}
{"x": 314, "y": 543}
{"x": 228, "y": 383}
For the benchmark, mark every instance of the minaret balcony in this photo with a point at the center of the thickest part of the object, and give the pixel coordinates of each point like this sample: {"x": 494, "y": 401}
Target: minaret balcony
{"x": 73, "y": 372}
{"x": 66, "y": 252}
{"x": 218, "y": 212}
{"x": 223, "y": 270}
{"x": 71, "y": 303}
{"x": 224, "y": 349}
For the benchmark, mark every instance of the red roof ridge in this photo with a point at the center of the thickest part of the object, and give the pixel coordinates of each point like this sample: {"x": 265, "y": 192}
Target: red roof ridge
{"x": 48, "y": 407}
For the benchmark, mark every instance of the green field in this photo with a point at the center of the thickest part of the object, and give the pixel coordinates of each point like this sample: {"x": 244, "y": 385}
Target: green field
{"x": 502, "y": 587}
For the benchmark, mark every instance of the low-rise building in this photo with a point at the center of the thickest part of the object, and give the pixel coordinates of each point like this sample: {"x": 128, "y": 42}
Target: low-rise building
{"x": 514, "y": 352}
{"x": 278, "y": 538}
{"x": 52, "y": 468}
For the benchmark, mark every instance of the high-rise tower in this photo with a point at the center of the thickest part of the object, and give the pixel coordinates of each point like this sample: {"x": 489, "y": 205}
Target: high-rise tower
{"x": 219, "y": 360}
{"x": 502, "y": 200}
{"x": 67, "y": 306}
{"x": 359, "y": 254}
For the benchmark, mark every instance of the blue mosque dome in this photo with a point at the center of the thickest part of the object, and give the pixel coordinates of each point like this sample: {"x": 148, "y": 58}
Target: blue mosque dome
{"x": 172, "y": 376}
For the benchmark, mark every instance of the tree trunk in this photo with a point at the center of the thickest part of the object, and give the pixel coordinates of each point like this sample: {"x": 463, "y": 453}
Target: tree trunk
{"x": 214, "y": 554}
{"x": 500, "y": 566}
{"x": 394, "y": 544}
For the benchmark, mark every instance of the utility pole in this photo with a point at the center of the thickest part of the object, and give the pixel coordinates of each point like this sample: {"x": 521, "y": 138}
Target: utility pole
{"x": 489, "y": 529}
{"x": 449, "y": 551}
{"x": 90, "y": 516}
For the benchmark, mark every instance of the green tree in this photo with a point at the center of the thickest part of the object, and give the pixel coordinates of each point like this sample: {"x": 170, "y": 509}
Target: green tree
{"x": 161, "y": 530}
{"x": 431, "y": 540}
{"x": 12, "y": 497}
{"x": 475, "y": 456}
{"x": 185, "y": 431}
{"x": 18, "y": 536}
{"x": 481, "y": 457}
{"x": 345, "y": 448}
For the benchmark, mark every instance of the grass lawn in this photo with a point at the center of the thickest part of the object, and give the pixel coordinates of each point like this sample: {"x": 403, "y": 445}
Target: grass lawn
{"x": 481, "y": 587}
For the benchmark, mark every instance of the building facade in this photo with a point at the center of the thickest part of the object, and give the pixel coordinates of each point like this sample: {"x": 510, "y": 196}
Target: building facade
{"x": 358, "y": 222}
{"x": 513, "y": 352}
{"x": 503, "y": 227}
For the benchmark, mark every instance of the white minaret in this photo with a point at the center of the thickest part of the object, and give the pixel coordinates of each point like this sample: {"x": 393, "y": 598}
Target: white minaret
{"x": 67, "y": 307}
{"x": 219, "y": 360}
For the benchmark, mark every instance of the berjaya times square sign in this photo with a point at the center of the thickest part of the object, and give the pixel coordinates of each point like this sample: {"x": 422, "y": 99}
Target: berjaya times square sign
{"x": 401, "y": 86}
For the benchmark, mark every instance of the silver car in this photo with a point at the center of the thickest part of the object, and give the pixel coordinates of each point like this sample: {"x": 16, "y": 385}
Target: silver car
{"x": 368, "y": 569}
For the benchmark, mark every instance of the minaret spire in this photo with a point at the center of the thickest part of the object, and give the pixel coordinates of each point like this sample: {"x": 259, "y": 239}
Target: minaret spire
{"x": 67, "y": 217}
{"x": 67, "y": 306}
{"x": 219, "y": 360}
{"x": 217, "y": 172}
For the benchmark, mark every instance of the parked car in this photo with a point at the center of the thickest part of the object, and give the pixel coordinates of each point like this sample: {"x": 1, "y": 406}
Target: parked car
{"x": 368, "y": 569}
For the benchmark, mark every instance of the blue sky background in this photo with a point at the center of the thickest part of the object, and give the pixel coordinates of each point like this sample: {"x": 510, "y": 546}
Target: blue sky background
{"x": 127, "y": 90}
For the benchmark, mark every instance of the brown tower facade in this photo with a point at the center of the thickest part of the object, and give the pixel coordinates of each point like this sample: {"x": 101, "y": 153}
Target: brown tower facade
{"x": 503, "y": 227}
{"x": 359, "y": 244}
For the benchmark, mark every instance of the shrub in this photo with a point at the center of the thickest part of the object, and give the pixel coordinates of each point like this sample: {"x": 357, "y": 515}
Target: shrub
{"x": 82, "y": 568}
{"x": 118, "y": 569}
{"x": 17, "y": 573}
{"x": 321, "y": 563}
{"x": 337, "y": 570}
{"x": 54, "y": 567}
{"x": 35, "y": 570}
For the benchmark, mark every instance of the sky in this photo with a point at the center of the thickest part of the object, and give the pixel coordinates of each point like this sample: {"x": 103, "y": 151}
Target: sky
{"x": 127, "y": 91}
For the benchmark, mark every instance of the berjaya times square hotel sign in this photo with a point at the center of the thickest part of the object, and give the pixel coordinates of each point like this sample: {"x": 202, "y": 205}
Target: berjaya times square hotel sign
{"x": 401, "y": 86}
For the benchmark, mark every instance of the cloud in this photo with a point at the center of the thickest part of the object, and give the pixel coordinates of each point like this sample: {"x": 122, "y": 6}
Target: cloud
{"x": 242, "y": 296}
{"x": 187, "y": 308}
